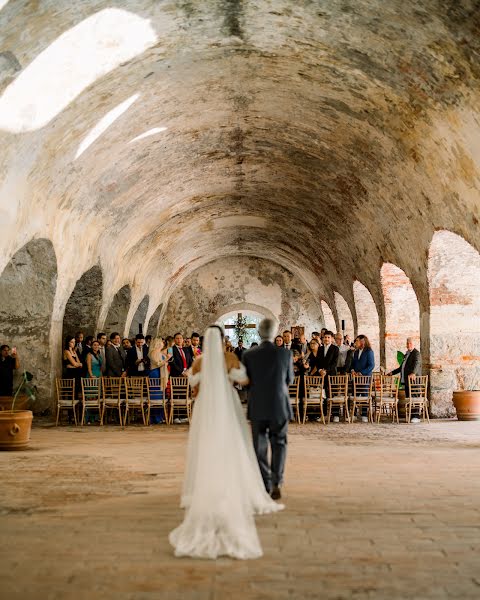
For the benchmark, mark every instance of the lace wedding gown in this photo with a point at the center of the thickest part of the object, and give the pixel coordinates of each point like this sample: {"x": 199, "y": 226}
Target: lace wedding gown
{"x": 223, "y": 487}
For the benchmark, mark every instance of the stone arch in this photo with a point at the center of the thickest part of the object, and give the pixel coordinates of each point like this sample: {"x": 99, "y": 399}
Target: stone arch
{"x": 139, "y": 318}
{"x": 329, "y": 319}
{"x": 243, "y": 307}
{"x": 154, "y": 321}
{"x": 402, "y": 312}
{"x": 83, "y": 307}
{"x": 454, "y": 283}
{"x": 344, "y": 314}
{"x": 27, "y": 292}
{"x": 367, "y": 317}
{"x": 118, "y": 311}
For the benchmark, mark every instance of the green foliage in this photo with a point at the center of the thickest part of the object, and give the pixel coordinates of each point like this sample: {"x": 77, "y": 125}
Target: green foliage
{"x": 29, "y": 389}
{"x": 400, "y": 357}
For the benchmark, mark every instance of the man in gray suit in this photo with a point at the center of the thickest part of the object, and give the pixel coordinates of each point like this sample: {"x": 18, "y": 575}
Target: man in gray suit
{"x": 270, "y": 371}
{"x": 115, "y": 357}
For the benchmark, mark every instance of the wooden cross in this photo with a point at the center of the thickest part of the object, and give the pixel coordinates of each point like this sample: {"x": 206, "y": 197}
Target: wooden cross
{"x": 239, "y": 320}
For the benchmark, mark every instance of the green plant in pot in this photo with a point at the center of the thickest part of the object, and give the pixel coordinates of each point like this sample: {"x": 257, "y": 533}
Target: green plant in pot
{"x": 15, "y": 425}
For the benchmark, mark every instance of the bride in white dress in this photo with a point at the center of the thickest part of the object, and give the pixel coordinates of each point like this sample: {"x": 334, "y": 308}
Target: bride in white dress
{"x": 223, "y": 487}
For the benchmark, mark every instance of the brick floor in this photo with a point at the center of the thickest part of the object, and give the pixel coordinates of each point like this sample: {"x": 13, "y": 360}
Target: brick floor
{"x": 373, "y": 511}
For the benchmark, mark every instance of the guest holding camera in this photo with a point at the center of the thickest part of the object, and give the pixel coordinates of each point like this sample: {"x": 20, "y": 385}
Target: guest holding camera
{"x": 138, "y": 363}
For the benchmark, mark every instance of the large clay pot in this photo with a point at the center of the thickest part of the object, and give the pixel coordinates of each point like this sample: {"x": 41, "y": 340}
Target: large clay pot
{"x": 15, "y": 429}
{"x": 467, "y": 405}
{"x": 21, "y": 403}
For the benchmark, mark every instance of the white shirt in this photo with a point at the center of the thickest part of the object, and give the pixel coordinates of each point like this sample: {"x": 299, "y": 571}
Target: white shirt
{"x": 141, "y": 366}
{"x": 325, "y": 349}
{"x": 360, "y": 352}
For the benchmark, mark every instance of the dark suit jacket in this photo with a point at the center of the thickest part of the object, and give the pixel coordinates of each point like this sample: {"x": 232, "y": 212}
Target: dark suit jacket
{"x": 329, "y": 362}
{"x": 365, "y": 363}
{"x": 413, "y": 364}
{"x": 132, "y": 368}
{"x": 270, "y": 370}
{"x": 176, "y": 365}
{"x": 115, "y": 361}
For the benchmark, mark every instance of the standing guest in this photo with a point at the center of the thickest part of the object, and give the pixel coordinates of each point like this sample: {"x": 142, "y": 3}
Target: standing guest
{"x": 363, "y": 359}
{"x": 72, "y": 367}
{"x": 313, "y": 358}
{"x": 148, "y": 341}
{"x": 302, "y": 345}
{"x": 158, "y": 370}
{"x": 87, "y": 347}
{"x": 347, "y": 340}
{"x": 102, "y": 340}
{"x": 138, "y": 363}
{"x": 8, "y": 363}
{"x": 316, "y": 336}
{"x": 196, "y": 350}
{"x": 79, "y": 343}
{"x": 229, "y": 346}
{"x": 115, "y": 357}
{"x": 300, "y": 368}
{"x": 94, "y": 361}
{"x": 253, "y": 344}
{"x": 410, "y": 368}
{"x": 187, "y": 347}
{"x": 343, "y": 350}
{"x": 182, "y": 360}
{"x": 279, "y": 341}
{"x": 126, "y": 344}
{"x": 287, "y": 340}
{"x": 328, "y": 355}
{"x": 239, "y": 350}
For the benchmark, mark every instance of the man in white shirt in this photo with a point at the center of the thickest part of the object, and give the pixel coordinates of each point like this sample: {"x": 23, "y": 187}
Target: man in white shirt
{"x": 343, "y": 350}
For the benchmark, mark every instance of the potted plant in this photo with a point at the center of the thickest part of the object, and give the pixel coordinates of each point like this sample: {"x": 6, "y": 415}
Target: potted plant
{"x": 467, "y": 404}
{"x": 15, "y": 425}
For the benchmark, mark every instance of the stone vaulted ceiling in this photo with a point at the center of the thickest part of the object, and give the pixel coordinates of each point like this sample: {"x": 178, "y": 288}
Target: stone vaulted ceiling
{"x": 326, "y": 136}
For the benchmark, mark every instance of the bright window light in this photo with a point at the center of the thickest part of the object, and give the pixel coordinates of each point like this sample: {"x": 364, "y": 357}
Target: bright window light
{"x": 148, "y": 134}
{"x": 105, "y": 123}
{"x": 3, "y": 3}
{"x": 70, "y": 64}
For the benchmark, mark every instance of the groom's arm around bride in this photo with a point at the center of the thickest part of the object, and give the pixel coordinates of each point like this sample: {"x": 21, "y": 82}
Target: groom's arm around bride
{"x": 270, "y": 371}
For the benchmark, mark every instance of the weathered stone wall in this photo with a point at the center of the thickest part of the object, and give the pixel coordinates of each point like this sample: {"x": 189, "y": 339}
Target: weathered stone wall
{"x": 27, "y": 290}
{"x": 225, "y": 283}
{"x": 139, "y": 318}
{"x": 83, "y": 306}
{"x": 367, "y": 318}
{"x": 118, "y": 311}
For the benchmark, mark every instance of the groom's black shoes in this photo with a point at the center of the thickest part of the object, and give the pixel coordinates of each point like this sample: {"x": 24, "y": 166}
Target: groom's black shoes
{"x": 276, "y": 494}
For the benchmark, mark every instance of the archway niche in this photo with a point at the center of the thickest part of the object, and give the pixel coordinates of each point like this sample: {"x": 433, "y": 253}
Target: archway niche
{"x": 152, "y": 328}
{"x": 83, "y": 306}
{"x": 253, "y": 315}
{"x": 367, "y": 318}
{"x": 118, "y": 311}
{"x": 27, "y": 291}
{"x": 344, "y": 314}
{"x": 402, "y": 313}
{"x": 328, "y": 316}
{"x": 454, "y": 281}
{"x": 139, "y": 318}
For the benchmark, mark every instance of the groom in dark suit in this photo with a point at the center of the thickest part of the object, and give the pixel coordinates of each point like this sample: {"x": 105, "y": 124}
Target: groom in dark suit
{"x": 270, "y": 371}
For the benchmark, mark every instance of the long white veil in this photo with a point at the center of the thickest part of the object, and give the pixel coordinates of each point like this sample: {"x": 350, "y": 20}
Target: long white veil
{"x": 222, "y": 486}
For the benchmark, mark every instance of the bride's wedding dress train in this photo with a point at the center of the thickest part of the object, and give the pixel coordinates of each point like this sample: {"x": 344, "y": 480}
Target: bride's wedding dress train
{"x": 223, "y": 487}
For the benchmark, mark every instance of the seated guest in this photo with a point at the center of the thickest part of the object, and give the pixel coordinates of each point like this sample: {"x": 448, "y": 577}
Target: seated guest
{"x": 8, "y": 363}
{"x": 410, "y": 368}
{"x": 115, "y": 357}
{"x": 313, "y": 358}
{"x": 279, "y": 341}
{"x": 363, "y": 360}
{"x": 343, "y": 350}
{"x": 182, "y": 360}
{"x": 138, "y": 363}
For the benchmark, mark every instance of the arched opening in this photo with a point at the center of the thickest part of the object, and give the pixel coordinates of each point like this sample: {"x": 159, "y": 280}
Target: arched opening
{"x": 152, "y": 328}
{"x": 402, "y": 313}
{"x": 27, "y": 291}
{"x": 367, "y": 318}
{"x": 118, "y": 311}
{"x": 252, "y": 317}
{"x": 329, "y": 319}
{"x": 454, "y": 281}
{"x": 139, "y": 318}
{"x": 344, "y": 314}
{"x": 83, "y": 306}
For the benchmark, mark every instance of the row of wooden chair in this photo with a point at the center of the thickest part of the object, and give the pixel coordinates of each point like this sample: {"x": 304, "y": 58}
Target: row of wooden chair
{"x": 351, "y": 393}
{"x": 124, "y": 395}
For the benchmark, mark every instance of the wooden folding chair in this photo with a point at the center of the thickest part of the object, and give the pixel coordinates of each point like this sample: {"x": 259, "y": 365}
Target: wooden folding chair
{"x": 180, "y": 398}
{"x": 362, "y": 386}
{"x": 417, "y": 398}
{"x": 112, "y": 395}
{"x": 293, "y": 394}
{"x": 338, "y": 395}
{"x": 386, "y": 399}
{"x": 136, "y": 397}
{"x": 313, "y": 395}
{"x": 91, "y": 396}
{"x": 66, "y": 397}
{"x": 156, "y": 397}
